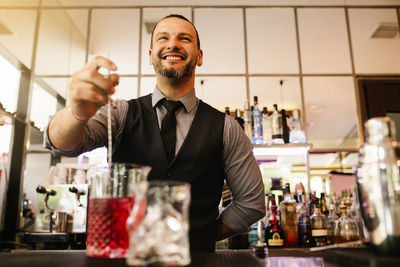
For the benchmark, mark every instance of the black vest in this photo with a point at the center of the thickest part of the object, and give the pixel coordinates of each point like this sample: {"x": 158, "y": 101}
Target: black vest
{"x": 199, "y": 162}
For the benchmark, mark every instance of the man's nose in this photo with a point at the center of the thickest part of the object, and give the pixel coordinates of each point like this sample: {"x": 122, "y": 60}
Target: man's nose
{"x": 174, "y": 43}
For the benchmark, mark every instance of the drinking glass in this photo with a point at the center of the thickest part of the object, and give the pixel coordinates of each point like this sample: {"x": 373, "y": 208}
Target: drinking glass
{"x": 162, "y": 236}
{"x": 113, "y": 193}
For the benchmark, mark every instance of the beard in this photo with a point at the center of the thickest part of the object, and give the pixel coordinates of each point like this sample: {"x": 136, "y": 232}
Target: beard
{"x": 186, "y": 70}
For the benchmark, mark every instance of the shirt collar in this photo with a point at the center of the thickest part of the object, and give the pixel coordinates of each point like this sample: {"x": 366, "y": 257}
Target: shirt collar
{"x": 188, "y": 101}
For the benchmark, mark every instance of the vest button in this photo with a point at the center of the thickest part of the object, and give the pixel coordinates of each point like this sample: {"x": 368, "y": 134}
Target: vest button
{"x": 169, "y": 174}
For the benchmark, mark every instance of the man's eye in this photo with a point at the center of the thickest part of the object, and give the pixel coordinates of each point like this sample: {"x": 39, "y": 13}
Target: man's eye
{"x": 162, "y": 38}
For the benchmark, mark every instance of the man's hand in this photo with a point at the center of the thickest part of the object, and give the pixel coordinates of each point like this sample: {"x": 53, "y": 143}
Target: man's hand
{"x": 89, "y": 90}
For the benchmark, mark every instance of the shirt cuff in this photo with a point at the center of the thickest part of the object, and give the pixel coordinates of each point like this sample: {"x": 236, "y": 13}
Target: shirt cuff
{"x": 56, "y": 152}
{"x": 231, "y": 218}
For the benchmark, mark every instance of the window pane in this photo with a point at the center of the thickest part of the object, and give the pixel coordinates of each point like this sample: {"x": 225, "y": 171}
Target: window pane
{"x": 150, "y": 17}
{"x": 60, "y": 85}
{"x": 323, "y": 40}
{"x": 221, "y": 92}
{"x": 222, "y": 39}
{"x": 62, "y": 41}
{"x": 19, "y": 39}
{"x": 40, "y": 113}
{"x": 270, "y": 91}
{"x": 126, "y": 89}
{"x": 147, "y": 85}
{"x": 331, "y": 112}
{"x": 374, "y": 55}
{"x": 271, "y": 40}
{"x": 115, "y": 34}
{"x": 9, "y": 77}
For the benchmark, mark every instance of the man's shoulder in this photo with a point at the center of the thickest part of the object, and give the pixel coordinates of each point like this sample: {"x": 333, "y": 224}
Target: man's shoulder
{"x": 210, "y": 108}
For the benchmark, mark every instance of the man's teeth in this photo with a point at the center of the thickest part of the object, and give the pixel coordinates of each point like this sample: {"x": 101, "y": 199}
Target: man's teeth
{"x": 173, "y": 57}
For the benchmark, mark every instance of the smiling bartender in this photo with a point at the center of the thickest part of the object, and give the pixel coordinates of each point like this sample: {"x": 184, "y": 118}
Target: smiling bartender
{"x": 209, "y": 145}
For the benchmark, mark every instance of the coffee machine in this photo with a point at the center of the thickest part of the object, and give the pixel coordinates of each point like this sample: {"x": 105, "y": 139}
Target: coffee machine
{"x": 62, "y": 202}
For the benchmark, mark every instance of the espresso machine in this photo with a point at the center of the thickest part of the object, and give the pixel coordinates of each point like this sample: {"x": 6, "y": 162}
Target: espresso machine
{"x": 378, "y": 182}
{"x": 62, "y": 202}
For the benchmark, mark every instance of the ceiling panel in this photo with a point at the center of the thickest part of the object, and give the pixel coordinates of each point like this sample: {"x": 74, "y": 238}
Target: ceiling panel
{"x": 271, "y": 40}
{"x": 21, "y": 23}
{"x": 222, "y": 39}
{"x": 323, "y": 38}
{"x": 115, "y": 34}
{"x": 374, "y": 55}
{"x": 330, "y": 108}
{"x": 221, "y": 92}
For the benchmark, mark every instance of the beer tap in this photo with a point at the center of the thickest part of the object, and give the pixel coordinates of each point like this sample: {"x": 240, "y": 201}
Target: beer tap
{"x": 48, "y": 192}
{"x": 78, "y": 193}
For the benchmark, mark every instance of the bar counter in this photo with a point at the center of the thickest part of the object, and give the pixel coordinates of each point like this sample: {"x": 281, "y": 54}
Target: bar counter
{"x": 222, "y": 258}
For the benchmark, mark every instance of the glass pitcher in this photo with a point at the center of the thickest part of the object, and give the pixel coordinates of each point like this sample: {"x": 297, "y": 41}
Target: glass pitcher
{"x": 114, "y": 193}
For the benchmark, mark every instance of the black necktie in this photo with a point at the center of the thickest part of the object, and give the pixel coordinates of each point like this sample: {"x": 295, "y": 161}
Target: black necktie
{"x": 168, "y": 128}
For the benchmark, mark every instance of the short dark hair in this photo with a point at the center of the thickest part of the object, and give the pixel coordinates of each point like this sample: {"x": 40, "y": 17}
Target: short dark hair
{"x": 179, "y": 17}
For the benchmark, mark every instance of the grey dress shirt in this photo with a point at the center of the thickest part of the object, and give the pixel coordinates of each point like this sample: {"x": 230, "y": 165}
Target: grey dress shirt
{"x": 242, "y": 173}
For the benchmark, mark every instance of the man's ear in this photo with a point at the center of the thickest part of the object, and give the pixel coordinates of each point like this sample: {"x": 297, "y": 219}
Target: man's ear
{"x": 150, "y": 59}
{"x": 200, "y": 58}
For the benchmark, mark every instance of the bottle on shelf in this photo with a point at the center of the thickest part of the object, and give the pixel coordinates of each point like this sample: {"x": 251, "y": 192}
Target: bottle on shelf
{"x": 319, "y": 230}
{"x": 257, "y": 136}
{"x": 274, "y": 235}
{"x": 267, "y": 127}
{"x": 324, "y": 207}
{"x": 247, "y": 120}
{"x": 276, "y": 125}
{"x": 347, "y": 227}
{"x": 297, "y": 135}
{"x": 331, "y": 223}
{"x": 227, "y": 111}
{"x": 238, "y": 118}
{"x": 289, "y": 219}
{"x": 285, "y": 127}
{"x": 304, "y": 223}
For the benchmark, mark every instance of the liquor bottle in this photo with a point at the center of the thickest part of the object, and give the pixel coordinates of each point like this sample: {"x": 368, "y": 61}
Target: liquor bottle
{"x": 238, "y": 118}
{"x": 304, "y": 224}
{"x": 274, "y": 235}
{"x": 267, "y": 128}
{"x": 331, "y": 222}
{"x": 348, "y": 229}
{"x": 285, "y": 127}
{"x": 297, "y": 135}
{"x": 257, "y": 137}
{"x": 289, "y": 219}
{"x": 247, "y": 120}
{"x": 276, "y": 123}
{"x": 324, "y": 207}
{"x": 227, "y": 111}
{"x": 319, "y": 232}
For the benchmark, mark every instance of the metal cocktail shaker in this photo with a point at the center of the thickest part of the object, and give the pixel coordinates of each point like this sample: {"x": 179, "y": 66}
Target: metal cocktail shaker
{"x": 378, "y": 183}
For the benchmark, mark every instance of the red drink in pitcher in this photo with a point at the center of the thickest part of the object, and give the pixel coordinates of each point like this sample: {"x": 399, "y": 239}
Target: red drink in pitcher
{"x": 107, "y": 235}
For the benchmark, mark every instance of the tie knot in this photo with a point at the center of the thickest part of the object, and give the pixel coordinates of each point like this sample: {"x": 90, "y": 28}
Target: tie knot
{"x": 171, "y": 105}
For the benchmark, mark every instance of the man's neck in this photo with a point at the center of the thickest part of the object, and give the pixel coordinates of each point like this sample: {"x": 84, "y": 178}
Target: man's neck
{"x": 175, "y": 89}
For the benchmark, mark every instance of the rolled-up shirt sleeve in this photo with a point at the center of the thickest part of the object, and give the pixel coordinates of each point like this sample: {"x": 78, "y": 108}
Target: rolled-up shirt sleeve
{"x": 243, "y": 178}
{"x": 95, "y": 131}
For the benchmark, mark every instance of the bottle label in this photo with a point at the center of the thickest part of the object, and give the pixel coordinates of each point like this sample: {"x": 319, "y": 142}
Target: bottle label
{"x": 276, "y": 240}
{"x": 319, "y": 232}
